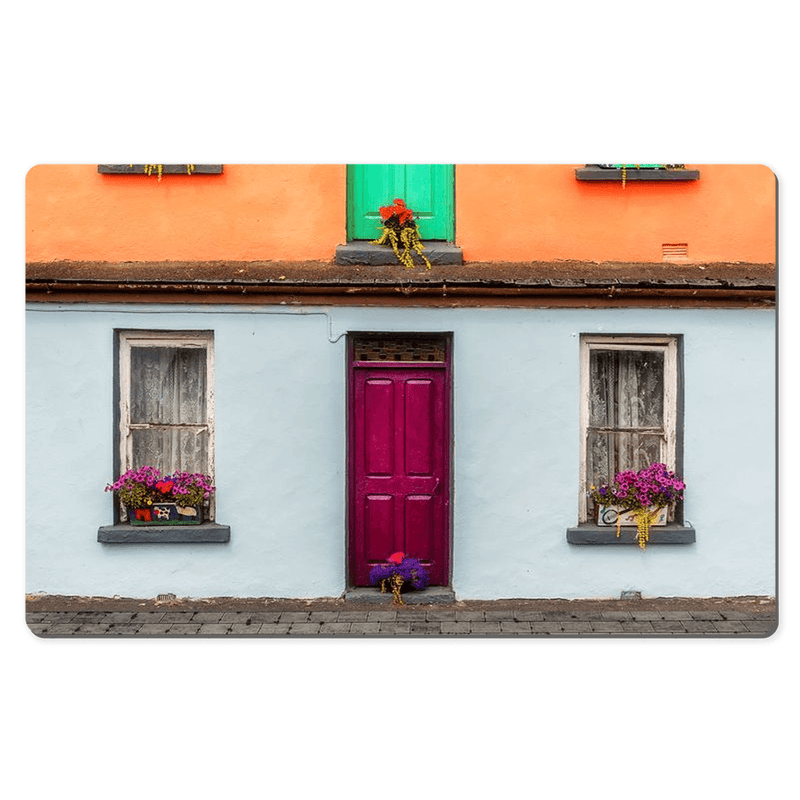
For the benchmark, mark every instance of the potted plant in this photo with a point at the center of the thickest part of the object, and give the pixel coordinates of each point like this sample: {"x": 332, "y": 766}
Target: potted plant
{"x": 399, "y": 572}
{"x": 154, "y": 499}
{"x": 400, "y": 230}
{"x": 641, "y": 498}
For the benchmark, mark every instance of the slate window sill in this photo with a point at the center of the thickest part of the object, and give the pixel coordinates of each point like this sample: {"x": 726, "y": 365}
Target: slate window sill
{"x": 591, "y": 173}
{"x": 588, "y": 533}
{"x": 125, "y": 533}
{"x": 166, "y": 169}
{"x": 364, "y": 253}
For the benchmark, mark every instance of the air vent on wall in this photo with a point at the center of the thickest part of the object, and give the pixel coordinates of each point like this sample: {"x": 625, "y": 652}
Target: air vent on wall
{"x": 675, "y": 251}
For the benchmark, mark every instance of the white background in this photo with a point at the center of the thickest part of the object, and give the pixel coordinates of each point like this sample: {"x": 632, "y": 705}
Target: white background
{"x": 505, "y": 82}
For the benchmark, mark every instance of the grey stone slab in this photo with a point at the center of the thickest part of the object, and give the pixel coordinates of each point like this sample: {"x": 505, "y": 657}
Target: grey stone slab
{"x": 352, "y": 616}
{"x": 123, "y": 629}
{"x": 207, "y": 616}
{"x": 265, "y": 616}
{"x": 489, "y": 626}
{"x": 93, "y": 628}
{"x": 699, "y": 626}
{"x": 456, "y": 627}
{"x": 646, "y": 615}
{"x": 636, "y": 626}
{"x": 730, "y": 626}
{"x": 243, "y": 629}
{"x": 617, "y": 615}
{"x": 606, "y": 626}
{"x": 236, "y": 617}
{"x": 426, "y": 627}
{"x": 466, "y": 616}
{"x": 515, "y": 627}
{"x": 761, "y": 625}
{"x": 364, "y": 628}
{"x": 294, "y": 616}
{"x": 407, "y": 615}
{"x": 63, "y": 628}
{"x": 149, "y": 616}
{"x": 274, "y": 628}
{"x": 58, "y": 616}
{"x": 529, "y": 616}
{"x": 183, "y": 628}
{"x": 334, "y": 627}
{"x": 38, "y": 628}
{"x": 546, "y": 627}
{"x": 576, "y": 626}
{"x": 323, "y": 616}
{"x": 214, "y": 628}
{"x": 394, "y": 627}
{"x": 706, "y": 615}
{"x": 180, "y": 617}
{"x": 662, "y": 625}
{"x": 675, "y": 615}
{"x": 305, "y": 628}
{"x": 500, "y": 616}
{"x": 382, "y": 616}
{"x": 155, "y": 628}
{"x": 441, "y": 616}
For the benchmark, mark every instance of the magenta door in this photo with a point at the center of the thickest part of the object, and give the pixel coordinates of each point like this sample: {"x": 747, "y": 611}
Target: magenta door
{"x": 400, "y": 487}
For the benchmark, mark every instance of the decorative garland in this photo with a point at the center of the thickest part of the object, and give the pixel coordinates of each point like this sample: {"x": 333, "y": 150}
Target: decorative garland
{"x": 400, "y": 230}
{"x": 399, "y": 570}
{"x": 149, "y": 169}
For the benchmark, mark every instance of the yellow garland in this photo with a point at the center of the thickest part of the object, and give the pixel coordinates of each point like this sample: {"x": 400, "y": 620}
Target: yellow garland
{"x": 409, "y": 239}
{"x": 644, "y": 519}
{"x": 396, "y": 583}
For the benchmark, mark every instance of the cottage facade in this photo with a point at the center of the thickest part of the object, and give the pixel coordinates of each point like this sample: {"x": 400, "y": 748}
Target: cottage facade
{"x": 234, "y": 319}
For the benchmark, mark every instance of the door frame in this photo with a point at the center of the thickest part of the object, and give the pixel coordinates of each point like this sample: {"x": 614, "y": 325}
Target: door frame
{"x": 352, "y": 367}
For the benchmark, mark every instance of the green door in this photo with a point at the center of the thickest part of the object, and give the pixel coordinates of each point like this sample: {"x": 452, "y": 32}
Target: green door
{"x": 426, "y": 188}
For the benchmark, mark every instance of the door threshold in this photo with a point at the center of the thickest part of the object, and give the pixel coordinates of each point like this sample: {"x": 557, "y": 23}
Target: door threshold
{"x": 372, "y": 594}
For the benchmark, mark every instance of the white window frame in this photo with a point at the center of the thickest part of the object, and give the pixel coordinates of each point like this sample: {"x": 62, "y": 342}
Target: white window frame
{"x": 668, "y": 345}
{"x": 178, "y": 339}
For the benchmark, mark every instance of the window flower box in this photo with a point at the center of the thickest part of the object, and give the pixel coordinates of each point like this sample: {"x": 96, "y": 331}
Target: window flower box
{"x": 166, "y": 514}
{"x": 612, "y": 516}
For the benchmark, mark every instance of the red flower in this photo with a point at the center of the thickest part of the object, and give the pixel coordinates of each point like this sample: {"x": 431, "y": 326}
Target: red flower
{"x": 164, "y": 486}
{"x": 399, "y": 209}
{"x": 396, "y": 558}
{"x": 144, "y": 515}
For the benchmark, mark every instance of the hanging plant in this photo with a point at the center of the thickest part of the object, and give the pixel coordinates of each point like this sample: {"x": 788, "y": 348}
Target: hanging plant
{"x": 400, "y": 232}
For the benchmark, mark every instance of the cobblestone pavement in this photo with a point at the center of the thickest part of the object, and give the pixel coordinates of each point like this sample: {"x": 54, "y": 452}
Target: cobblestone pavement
{"x": 335, "y": 619}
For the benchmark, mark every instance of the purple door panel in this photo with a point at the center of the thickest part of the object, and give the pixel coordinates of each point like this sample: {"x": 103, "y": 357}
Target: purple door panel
{"x": 399, "y": 496}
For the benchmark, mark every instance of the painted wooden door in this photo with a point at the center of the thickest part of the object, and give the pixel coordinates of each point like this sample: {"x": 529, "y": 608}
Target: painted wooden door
{"x": 400, "y": 472}
{"x": 426, "y": 188}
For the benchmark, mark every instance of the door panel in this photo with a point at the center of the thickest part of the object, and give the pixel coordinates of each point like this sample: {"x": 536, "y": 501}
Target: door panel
{"x": 426, "y": 188}
{"x": 399, "y": 468}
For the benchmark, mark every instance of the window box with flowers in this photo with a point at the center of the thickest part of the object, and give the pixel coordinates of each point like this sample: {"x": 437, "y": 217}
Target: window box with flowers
{"x": 160, "y": 508}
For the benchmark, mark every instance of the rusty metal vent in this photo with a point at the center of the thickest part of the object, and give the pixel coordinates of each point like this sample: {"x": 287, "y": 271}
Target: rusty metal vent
{"x": 399, "y": 348}
{"x": 675, "y": 252}
{"x": 168, "y": 596}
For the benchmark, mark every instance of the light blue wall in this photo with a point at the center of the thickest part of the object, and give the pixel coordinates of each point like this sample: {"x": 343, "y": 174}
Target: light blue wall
{"x": 281, "y": 452}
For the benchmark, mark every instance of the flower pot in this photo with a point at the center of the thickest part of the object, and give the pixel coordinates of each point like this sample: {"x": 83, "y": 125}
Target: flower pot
{"x": 166, "y": 514}
{"x": 612, "y": 515}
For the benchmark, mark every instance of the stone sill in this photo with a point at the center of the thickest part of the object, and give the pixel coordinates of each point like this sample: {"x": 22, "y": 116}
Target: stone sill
{"x": 632, "y": 174}
{"x": 124, "y": 533}
{"x": 588, "y": 533}
{"x": 364, "y": 253}
{"x": 166, "y": 169}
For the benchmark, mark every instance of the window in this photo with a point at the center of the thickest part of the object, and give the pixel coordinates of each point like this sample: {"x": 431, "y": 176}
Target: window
{"x": 629, "y": 406}
{"x": 166, "y": 401}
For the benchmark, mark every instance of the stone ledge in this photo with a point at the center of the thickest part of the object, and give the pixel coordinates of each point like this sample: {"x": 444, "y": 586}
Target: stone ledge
{"x": 591, "y": 173}
{"x": 164, "y": 534}
{"x": 596, "y": 534}
{"x": 369, "y": 594}
{"x": 360, "y": 253}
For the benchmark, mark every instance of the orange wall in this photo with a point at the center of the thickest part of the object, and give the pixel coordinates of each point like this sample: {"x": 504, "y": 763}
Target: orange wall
{"x": 542, "y": 213}
{"x": 249, "y": 213}
{"x": 297, "y": 212}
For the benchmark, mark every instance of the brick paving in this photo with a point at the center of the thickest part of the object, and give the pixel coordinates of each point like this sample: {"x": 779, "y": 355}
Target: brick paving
{"x": 498, "y": 619}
